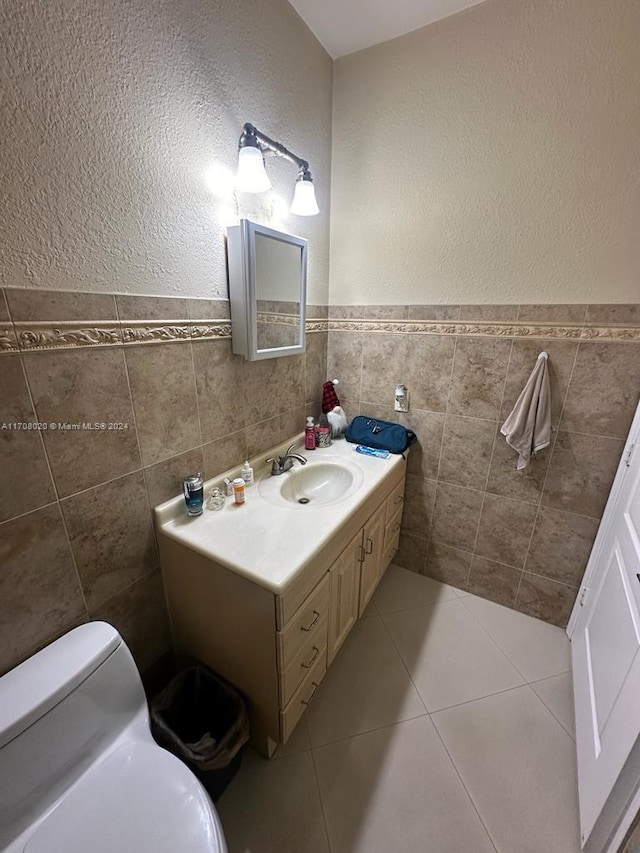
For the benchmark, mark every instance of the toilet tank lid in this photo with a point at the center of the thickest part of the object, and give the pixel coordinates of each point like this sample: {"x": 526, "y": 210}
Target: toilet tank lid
{"x": 30, "y": 690}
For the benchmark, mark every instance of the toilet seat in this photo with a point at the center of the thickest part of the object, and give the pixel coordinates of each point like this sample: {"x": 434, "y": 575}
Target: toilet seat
{"x": 139, "y": 799}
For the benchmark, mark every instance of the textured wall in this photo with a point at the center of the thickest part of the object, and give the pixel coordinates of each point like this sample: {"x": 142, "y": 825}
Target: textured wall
{"x": 120, "y": 127}
{"x": 491, "y": 157}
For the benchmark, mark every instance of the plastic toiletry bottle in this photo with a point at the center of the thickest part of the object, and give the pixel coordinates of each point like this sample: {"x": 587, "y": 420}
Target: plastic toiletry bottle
{"x": 246, "y": 473}
{"x": 310, "y": 435}
{"x": 238, "y": 491}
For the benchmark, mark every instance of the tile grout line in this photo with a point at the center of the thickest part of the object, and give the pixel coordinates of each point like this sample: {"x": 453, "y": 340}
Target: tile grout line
{"x": 484, "y": 491}
{"x": 154, "y": 571}
{"x": 546, "y": 474}
{"x": 57, "y": 501}
{"x": 486, "y": 482}
{"x": 431, "y": 713}
{"x": 446, "y": 405}
{"x": 466, "y": 790}
{"x": 243, "y": 368}
{"x": 322, "y": 809}
{"x": 197, "y": 395}
{"x": 547, "y": 677}
{"x": 495, "y": 642}
{"x": 402, "y": 661}
{"x": 497, "y": 431}
{"x": 437, "y": 480}
{"x": 538, "y": 698}
{"x": 550, "y": 710}
{"x": 139, "y": 446}
{"x": 345, "y": 738}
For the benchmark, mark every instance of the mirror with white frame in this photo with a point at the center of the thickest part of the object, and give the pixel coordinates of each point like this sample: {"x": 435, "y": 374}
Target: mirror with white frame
{"x": 267, "y": 290}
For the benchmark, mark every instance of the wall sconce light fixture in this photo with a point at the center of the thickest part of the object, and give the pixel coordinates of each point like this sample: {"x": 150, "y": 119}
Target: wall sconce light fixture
{"x": 252, "y": 176}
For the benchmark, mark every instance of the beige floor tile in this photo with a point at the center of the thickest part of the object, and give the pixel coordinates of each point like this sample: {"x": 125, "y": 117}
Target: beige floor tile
{"x": 401, "y": 589}
{"x": 449, "y": 655}
{"x": 518, "y": 765}
{"x": 538, "y": 650}
{"x": 395, "y": 790}
{"x": 273, "y": 807}
{"x": 370, "y": 610}
{"x": 557, "y": 694}
{"x": 367, "y": 687}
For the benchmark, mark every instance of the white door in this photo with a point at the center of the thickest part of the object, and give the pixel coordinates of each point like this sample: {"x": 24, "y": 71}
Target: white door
{"x": 605, "y": 636}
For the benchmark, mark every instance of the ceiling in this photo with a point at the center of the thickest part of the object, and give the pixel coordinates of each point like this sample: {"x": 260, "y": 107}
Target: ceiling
{"x": 344, "y": 26}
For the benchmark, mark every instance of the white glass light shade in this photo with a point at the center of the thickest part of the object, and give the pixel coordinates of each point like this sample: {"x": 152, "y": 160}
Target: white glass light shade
{"x": 251, "y": 176}
{"x": 304, "y": 199}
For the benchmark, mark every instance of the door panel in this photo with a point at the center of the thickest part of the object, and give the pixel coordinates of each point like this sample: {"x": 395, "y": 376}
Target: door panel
{"x": 344, "y": 591}
{"x": 612, "y": 640}
{"x": 606, "y": 645}
{"x": 372, "y": 567}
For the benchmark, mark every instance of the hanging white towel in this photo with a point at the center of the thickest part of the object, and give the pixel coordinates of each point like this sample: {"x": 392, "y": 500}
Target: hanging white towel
{"x": 528, "y": 427}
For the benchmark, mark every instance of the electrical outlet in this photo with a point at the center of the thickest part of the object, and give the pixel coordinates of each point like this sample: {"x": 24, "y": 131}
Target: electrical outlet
{"x": 401, "y": 403}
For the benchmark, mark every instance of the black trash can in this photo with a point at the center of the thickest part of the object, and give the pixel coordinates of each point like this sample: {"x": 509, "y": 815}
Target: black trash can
{"x": 202, "y": 719}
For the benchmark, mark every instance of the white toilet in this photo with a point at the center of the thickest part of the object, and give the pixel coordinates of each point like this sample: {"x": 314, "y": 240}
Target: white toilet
{"x": 79, "y": 770}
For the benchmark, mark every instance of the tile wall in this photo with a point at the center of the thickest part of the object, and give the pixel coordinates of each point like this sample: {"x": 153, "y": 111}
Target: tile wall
{"x": 519, "y": 538}
{"x": 76, "y": 534}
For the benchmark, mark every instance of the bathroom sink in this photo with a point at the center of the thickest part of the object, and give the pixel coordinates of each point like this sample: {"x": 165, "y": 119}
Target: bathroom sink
{"x": 318, "y": 484}
{"x": 315, "y": 484}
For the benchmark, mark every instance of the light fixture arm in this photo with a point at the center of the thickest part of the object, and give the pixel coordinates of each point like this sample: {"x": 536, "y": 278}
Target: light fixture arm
{"x": 265, "y": 143}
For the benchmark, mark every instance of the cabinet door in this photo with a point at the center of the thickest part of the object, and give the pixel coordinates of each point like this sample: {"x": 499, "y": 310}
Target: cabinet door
{"x": 344, "y": 588}
{"x": 372, "y": 567}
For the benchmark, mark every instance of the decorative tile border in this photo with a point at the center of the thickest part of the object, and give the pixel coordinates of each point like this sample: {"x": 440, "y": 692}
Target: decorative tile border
{"x": 8, "y": 341}
{"x": 211, "y": 330}
{"x": 279, "y": 319}
{"x": 143, "y": 332}
{"x": 66, "y": 335}
{"x": 316, "y": 326}
{"x": 31, "y": 335}
{"x": 561, "y": 331}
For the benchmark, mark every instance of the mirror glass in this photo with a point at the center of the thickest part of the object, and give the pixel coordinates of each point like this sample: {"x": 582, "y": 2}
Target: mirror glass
{"x": 277, "y": 269}
{"x": 267, "y": 290}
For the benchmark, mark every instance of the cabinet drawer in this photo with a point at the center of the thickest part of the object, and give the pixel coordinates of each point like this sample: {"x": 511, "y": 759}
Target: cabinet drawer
{"x": 301, "y": 698}
{"x": 309, "y": 620}
{"x": 395, "y": 501}
{"x": 302, "y": 664}
{"x": 390, "y": 550}
{"x": 392, "y": 530}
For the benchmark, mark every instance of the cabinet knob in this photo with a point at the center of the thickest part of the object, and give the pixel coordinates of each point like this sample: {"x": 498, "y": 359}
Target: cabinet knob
{"x": 369, "y": 548}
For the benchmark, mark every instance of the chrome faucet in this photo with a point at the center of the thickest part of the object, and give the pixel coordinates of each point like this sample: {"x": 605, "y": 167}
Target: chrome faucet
{"x": 280, "y": 464}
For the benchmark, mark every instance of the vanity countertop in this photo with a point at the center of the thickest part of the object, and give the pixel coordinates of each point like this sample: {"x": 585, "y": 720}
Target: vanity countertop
{"x": 269, "y": 539}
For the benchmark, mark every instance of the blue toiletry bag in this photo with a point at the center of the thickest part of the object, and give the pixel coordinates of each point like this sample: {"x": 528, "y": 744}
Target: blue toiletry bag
{"x": 383, "y": 435}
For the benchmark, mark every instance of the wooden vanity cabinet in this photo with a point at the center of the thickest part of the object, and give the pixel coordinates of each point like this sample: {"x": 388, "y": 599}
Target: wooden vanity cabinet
{"x": 276, "y": 648}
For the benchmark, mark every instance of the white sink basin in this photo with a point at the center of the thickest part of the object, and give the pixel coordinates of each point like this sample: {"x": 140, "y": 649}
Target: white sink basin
{"x": 314, "y": 484}
{"x": 318, "y": 484}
